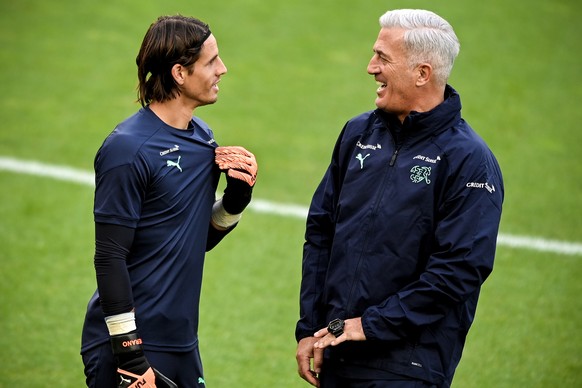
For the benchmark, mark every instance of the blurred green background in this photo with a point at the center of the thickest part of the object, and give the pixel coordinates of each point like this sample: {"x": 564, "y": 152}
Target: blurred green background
{"x": 297, "y": 72}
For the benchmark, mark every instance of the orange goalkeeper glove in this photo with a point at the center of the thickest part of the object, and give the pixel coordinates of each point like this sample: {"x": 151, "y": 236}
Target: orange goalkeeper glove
{"x": 240, "y": 167}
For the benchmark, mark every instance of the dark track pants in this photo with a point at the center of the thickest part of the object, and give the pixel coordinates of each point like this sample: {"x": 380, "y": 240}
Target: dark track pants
{"x": 329, "y": 378}
{"x": 183, "y": 368}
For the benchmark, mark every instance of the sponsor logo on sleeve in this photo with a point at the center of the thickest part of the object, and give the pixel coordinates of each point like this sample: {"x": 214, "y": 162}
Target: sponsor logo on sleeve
{"x": 481, "y": 185}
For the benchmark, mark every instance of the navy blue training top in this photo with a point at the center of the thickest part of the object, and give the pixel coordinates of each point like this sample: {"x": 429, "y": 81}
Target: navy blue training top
{"x": 161, "y": 181}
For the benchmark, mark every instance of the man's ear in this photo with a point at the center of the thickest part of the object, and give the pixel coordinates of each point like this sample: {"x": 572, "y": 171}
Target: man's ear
{"x": 424, "y": 73}
{"x": 179, "y": 73}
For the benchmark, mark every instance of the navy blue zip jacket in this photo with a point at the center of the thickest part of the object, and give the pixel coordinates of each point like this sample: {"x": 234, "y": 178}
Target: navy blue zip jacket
{"x": 402, "y": 232}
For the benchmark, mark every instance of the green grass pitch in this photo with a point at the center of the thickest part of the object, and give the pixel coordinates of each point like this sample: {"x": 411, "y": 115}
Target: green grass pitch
{"x": 297, "y": 72}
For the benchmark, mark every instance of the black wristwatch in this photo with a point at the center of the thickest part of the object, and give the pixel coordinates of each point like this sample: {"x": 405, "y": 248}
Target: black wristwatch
{"x": 336, "y": 327}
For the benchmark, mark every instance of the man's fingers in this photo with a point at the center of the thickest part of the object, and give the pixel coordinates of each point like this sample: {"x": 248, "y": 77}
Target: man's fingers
{"x": 237, "y": 158}
{"x": 232, "y": 150}
{"x": 321, "y": 333}
{"x": 229, "y": 161}
{"x": 304, "y": 368}
{"x": 317, "y": 360}
{"x": 231, "y": 157}
{"x": 237, "y": 164}
{"x": 308, "y": 375}
{"x": 305, "y": 353}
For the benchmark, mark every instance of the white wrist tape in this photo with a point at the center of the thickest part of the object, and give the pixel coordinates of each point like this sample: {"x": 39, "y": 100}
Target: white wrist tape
{"x": 121, "y": 323}
{"x": 223, "y": 218}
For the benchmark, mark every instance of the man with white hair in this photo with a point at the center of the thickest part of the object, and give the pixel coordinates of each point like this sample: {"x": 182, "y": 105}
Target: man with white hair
{"x": 402, "y": 230}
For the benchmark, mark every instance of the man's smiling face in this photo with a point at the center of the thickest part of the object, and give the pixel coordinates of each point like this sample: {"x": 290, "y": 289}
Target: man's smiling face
{"x": 391, "y": 70}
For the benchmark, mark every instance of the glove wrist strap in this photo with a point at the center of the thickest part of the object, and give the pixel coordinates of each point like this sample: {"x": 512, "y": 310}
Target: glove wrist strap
{"x": 126, "y": 343}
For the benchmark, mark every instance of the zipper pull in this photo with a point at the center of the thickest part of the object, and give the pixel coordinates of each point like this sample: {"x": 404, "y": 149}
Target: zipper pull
{"x": 393, "y": 159}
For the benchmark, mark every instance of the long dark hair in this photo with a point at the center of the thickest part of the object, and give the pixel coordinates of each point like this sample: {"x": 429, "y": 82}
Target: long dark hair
{"x": 169, "y": 40}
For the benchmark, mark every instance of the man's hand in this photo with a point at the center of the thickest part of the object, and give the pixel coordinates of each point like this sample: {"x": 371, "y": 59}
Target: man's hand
{"x": 238, "y": 163}
{"x": 353, "y": 331}
{"x": 240, "y": 167}
{"x": 133, "y": 368}
{"x": 306, "y": 352}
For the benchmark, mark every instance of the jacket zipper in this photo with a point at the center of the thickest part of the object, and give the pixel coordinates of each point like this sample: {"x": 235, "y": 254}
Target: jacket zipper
{"x": 394, "y": 155}
{"x": 397, "y": 146}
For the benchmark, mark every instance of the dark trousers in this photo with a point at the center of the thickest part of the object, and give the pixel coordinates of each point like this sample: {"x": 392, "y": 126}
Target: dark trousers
{"x": 330, "y": 378}
{"x": 183, "y": 368}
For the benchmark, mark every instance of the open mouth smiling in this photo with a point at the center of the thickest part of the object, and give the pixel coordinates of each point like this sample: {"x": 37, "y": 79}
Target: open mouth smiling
{"x": 381, "y": 86}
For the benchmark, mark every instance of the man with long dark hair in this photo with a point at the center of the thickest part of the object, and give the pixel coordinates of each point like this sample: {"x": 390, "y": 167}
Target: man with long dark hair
{"x": 156, "y": 215}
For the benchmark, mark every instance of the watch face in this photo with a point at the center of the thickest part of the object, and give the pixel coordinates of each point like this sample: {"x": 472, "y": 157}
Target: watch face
{"x": 336, "y": 327}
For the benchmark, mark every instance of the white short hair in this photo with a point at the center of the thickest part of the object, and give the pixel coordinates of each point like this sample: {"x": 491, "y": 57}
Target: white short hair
{"x": 428, "y": 38}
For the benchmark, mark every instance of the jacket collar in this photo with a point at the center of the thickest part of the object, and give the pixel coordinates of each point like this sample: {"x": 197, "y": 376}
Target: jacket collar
{"x": 443, "y": 116}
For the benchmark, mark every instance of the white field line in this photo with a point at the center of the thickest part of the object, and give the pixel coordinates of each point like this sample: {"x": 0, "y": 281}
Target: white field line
{"x": 263, "y": 206}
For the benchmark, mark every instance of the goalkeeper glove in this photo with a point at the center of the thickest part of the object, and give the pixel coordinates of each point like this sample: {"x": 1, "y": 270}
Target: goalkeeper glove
{"x": 240, "y": 166}
{"x": 133, "y": 368}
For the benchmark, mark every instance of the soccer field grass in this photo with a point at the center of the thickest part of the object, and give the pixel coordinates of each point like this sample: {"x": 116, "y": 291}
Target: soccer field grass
{"x": 297, "y": 72}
